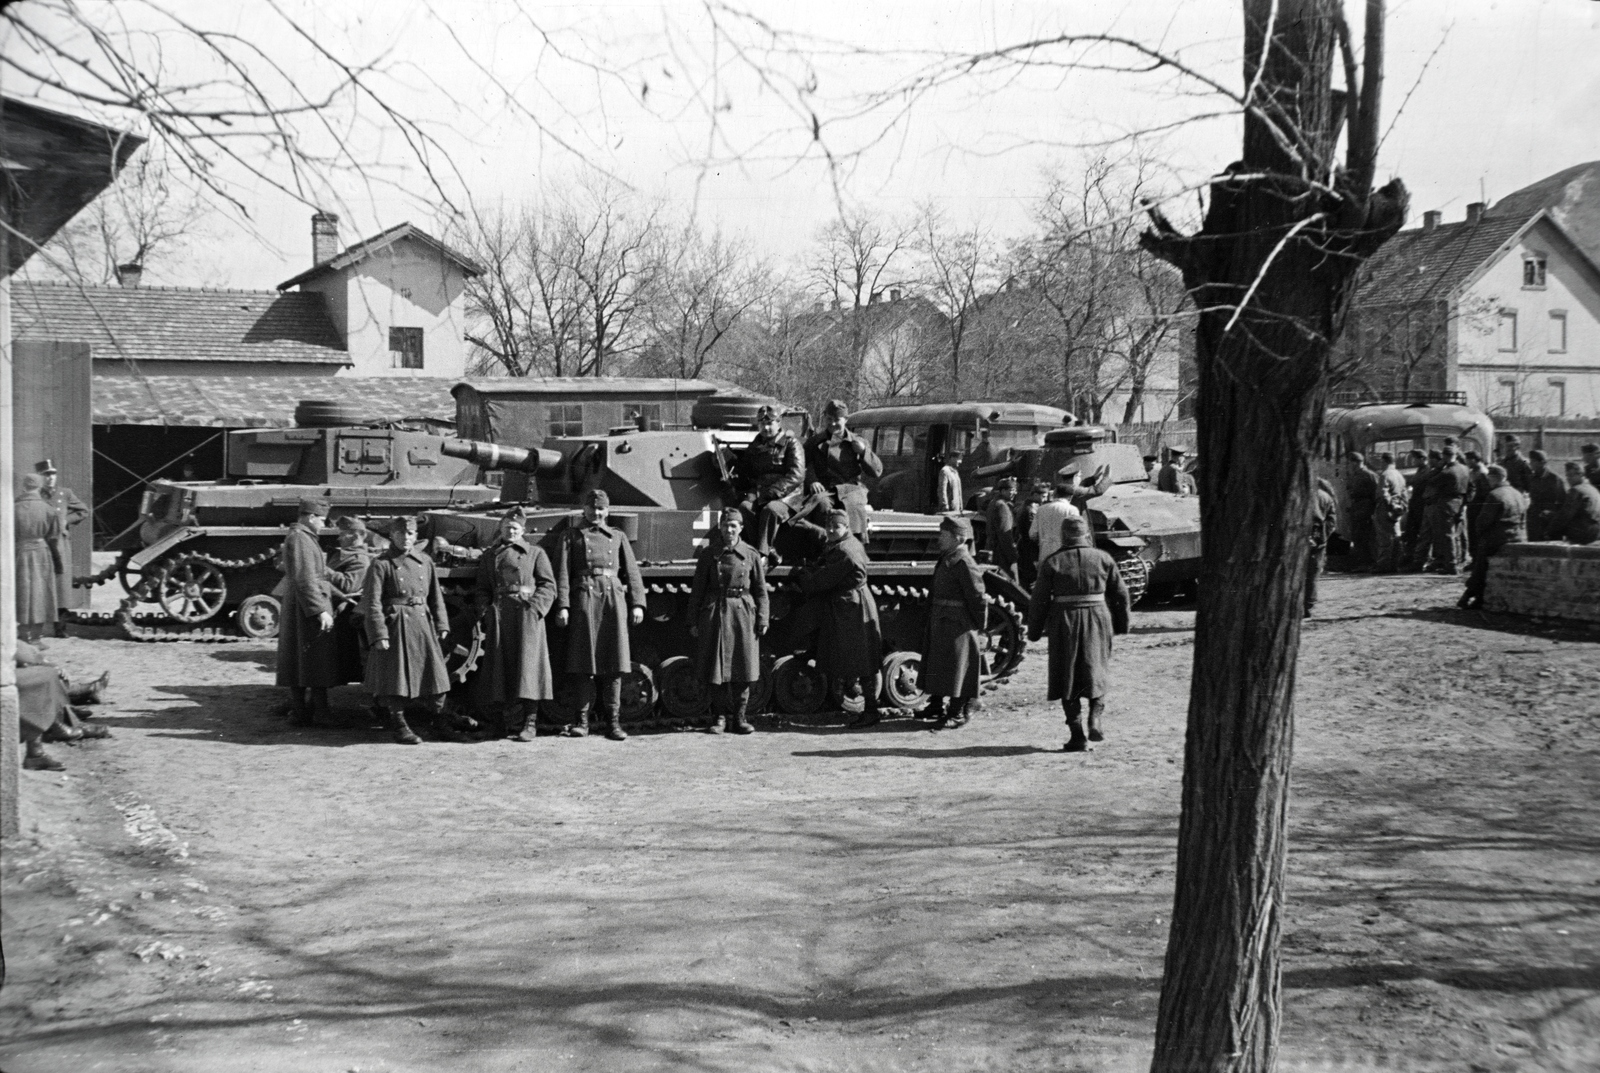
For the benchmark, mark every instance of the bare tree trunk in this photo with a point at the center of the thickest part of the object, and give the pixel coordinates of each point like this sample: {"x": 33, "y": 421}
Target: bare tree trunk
{"x": 1270, "y": 271}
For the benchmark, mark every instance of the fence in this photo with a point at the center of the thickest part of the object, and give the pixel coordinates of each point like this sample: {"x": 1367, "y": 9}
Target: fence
{"x": 1558, "y": 437}
{"x": 1150, "y": 438}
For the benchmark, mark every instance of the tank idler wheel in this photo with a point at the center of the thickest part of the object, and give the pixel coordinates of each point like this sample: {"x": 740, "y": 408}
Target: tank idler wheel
{"x": 134, "y": 580}
{"x": 190, "y": 589}
{"x": 258, "y": 616}
{"x": 902, "y": 681}
{"x": 761, "y": 689}
{"x": 799, "y": 686}
{"x": 638, "y": 694}
{"x": 683, "y": 694}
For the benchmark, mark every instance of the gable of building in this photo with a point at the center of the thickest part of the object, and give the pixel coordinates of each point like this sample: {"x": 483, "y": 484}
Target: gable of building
{"x": 376, "y": 245}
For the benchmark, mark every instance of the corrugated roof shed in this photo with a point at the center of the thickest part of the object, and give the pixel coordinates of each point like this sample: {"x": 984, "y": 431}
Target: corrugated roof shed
{"x": 179, "y": 323}
{"x": 265, "y": 401}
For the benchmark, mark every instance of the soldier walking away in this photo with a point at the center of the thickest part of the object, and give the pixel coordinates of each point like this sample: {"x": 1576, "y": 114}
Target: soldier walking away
{"x": 1519, "y": 470}
{"x": 948, "y": 496}
{"x": 850, "y": 641}
{"x": 1000, "y": 530}
{"x": 1578, "y": 521}
{"x": 308, "y": 658}
{"x": 347, "y": 575}
{"x": 599, "y": 594}
{"x": 1362, "y": 485}
{"x": 1393, "y": 497}
{"x": 729, "y": 616}
{"x": 838, "y": 460}
{"x": 1546, "y": 492}
{"x": 406, "y": 618}
{"x": 1054, "y": 512}
{"x": 1501, "y": 520}
{"x": 1079, "y": 601}
{"x": 516, "y": 589}
{"x": 70, "y": 511}
{"x": 38, "y": 559}
{"x": 769, "y": 477}
{"x": 1324, "y": 520}
{"x": 952, "y": 661}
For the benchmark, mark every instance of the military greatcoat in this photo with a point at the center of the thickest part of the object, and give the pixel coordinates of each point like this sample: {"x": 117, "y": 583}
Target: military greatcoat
{"x": 70, "y": 510}
{"x": 597, "y": 582}
{"x": 401, "y": 603}
{"x": 38, "y": 562}
{"x": 1079, "y": 600}
{"x": 952, "y": 664}
{"x": 516, "y": 589}
{"x": 347, "y": 575}
{"x": 850, "y": 644}
{"x": 729, "y": 605}
{"x": 306, "y": 655}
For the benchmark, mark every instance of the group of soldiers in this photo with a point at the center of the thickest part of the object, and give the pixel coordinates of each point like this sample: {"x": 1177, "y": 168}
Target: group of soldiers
{"x": 45, "y": 514}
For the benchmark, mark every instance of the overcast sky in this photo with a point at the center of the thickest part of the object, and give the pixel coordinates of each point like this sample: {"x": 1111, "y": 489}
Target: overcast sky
{"x": 519, "y": 102}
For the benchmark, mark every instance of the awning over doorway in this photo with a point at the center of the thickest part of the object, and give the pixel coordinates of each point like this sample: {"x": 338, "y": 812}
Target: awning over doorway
{"x": 266, "y": 401}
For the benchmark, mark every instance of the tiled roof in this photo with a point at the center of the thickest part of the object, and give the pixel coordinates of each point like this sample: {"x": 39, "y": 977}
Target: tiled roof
{"x": 1573, "y": 198}
{"x": 179, "y": 324}
{"x": 381, "y": 241}
{"x": 589, "y": 385}
{"x": 1418, "y": 265}
{"x": 265, "y": 401}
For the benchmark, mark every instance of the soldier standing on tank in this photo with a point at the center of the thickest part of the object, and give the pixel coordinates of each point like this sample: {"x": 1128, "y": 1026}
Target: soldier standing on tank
{"x": 769, "y": 477}
{"x": 1546, "y": 492}
{"x": 1000, "y": 527}
{"x": 952, "y": 663}
{"x": 406, "y": 619}
{"x": 837, "y": 460}
{"x": 599, "y": 594}
{"x": 515, "y": 590}
{"x": 729, "y": 614}
{"x": 1079, "y": 600}
{"x": 1519, "y": 471}
{"x": 38, "y": 559}
{"x": 1362, "y": 485}
{"x": 1501, "y": 520}
{"x": 308, "y": 660}
{"x": 850, "y": 641}
{"x": 69, "y": 511}
{"x": 347, "y": 575}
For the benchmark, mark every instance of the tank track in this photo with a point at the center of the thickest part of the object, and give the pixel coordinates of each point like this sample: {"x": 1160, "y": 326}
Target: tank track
{"x": 153, "y": 627}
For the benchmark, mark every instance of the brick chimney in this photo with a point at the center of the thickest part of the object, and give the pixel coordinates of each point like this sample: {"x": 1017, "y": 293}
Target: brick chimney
{"x": 1430, "y": 219}
{"x": 1475, "y": 212}
{"x": 130, "y": 274}
{"x": 324, "y": 237}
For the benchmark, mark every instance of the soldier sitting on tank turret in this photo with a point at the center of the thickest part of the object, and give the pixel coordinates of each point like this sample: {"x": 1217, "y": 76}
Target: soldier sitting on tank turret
{"x": 769, "y": 477}
{"x": 599, "y": 594}
{"x": 836, "y": 460}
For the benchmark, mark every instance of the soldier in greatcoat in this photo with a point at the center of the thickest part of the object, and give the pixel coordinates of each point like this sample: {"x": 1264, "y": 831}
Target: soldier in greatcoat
{"x": 769, "y": 477}
{"x": 1079, "y": 600}
{"x": 347, "y": 576}
{"x": 406, "y": 618}
{"x": 728, "y": 612}
{"x": 952, "y": 661}
{"x": 308, "y": 658}
{"x": 38, "y": 559}
{"x": 1001, "y": 526}
{"x": 850, "y": 640}
{"x": 70, "y": 510}
{"x": 599, "y": 594}
{"x": 516, "y": 590}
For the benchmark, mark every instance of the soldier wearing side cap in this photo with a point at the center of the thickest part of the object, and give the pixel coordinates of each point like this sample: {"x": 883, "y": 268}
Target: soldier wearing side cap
{"x": 599, "y": 594}
{"x": 38, "y": 559}
{"x": 769, "y": 478}
{"x": 952, "y": 662}
{"x": 308, "y": 658}
{"x": 347, "y": 575}
{"x": 406, "y": 619}
{"x": 850, "y": 640}
{"x": 729, "y": 616}
{"x": 837, "y": 460}
{"x": 1001, "y": 526}
{"x": 1079, "y": 601}
{"x": 516, "y": 589}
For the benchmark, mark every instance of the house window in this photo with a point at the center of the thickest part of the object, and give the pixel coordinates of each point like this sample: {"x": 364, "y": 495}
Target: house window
{"x": 1507, "y": 332}
{"x": 1558, "y": 396}
{"x": 565, "y": 420}
{"x": 1533, "y": 270}
{"x": 405, "y": 347}
{"x": 1558, "y": 331}
{"x": 632, "y": 412}
{"x": 405, "y": 292}
{"x": 1508, "y": 396}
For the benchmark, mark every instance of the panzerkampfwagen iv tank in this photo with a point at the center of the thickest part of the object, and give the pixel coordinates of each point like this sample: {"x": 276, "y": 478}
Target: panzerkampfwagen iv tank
{"x": 666, "y": 489}
{"x": 202, "y": 549}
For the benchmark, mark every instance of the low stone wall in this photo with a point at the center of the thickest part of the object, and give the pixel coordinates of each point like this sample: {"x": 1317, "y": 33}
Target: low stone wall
{"x": 1546, "y": 580}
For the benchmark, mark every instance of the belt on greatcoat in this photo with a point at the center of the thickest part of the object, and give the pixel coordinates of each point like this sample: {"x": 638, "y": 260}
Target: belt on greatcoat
{"x": 405, "y": 601}
{"x": 1089, "y": 599}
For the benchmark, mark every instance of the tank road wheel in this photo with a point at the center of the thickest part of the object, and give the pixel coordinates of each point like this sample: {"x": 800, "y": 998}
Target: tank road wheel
{"x": 638, "y": 694}
{"x": 902, "y": 681}
{"x": 258, "y": 616}
{"x": 1003, "y": 640}
{"x": 191, "y": 589}
{"x": 1135, "y": 573}
{"x": 683, "y": 694}
{"x": 799, "y": 686}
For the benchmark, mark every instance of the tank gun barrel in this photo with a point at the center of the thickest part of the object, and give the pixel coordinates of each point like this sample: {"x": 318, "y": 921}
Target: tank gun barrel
{"x": 499, "y": 456}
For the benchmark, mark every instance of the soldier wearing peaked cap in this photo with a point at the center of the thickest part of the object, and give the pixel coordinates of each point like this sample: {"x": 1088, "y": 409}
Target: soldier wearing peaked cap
{"x": 838, "y": 460}
{"x": 728, "y": 609}
{"x": 952, "y": 662}
{"x": 1172, "y": 478}
{"x": 308, "y": 658}
{"x": 599, "y": 594}
{"x": 1080, "y": 601}
{"x": 515, "y": 591}
{"x": 769, "y": 477}
{"x": 69, "y": 511}
{"x": 406, "y": 618}
{"x": 850, "y": 640}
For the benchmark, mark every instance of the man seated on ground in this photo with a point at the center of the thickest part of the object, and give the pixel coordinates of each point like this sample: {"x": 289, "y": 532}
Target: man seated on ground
{"x": 46, "y": 700}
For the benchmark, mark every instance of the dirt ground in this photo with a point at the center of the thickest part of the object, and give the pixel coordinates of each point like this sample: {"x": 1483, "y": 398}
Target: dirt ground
{"x": 212, "y": 890}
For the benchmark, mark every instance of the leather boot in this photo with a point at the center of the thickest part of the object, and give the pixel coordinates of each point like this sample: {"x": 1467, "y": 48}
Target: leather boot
{"x": 718, "y": 725}
{"x": 740, "y": 696}
{"x": 934, "y": 712}
{"x": 403, "y": 734}
{"x": 319, "y": 706}
{"x": 299, "y": 710}
{"x": 39, "y": 760}
{"x": 88, "y": 692}
{"x": 614, "y": 731}
{"x": 1077, "y": 740}
{"x": 528, "y": 714}
{"x": 960, "y": 714}
{"x": 1097, "y": 708}
{"x": 580, "y": 729}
